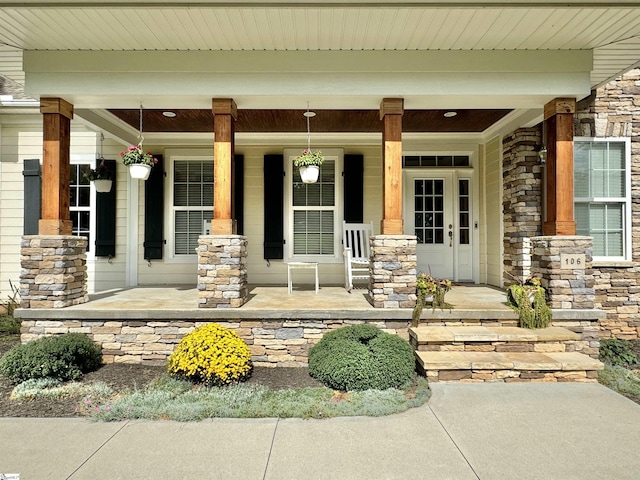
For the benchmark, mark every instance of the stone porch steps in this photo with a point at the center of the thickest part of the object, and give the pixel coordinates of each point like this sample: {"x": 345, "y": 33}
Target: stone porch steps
{"x": 507, "y": 354}
{"x": 492, "y": 339}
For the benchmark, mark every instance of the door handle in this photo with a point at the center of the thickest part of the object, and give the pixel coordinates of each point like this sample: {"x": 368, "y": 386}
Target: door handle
{"x": 450, "y": 235}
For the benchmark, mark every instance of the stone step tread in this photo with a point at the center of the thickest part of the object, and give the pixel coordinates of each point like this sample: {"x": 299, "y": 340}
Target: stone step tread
{"x": 472, "y": 333}
{"x": 568, "y": 361}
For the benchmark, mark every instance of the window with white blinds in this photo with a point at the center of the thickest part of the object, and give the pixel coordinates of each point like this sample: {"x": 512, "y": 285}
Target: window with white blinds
{"x": 192, "y": 202}
{"x": 314, "y": 206}
{"x": 313, "y": 212}
{"x": 602, "y": 195}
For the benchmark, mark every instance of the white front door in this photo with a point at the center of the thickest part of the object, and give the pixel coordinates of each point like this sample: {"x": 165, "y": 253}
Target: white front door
{"x": 438, "y": 211}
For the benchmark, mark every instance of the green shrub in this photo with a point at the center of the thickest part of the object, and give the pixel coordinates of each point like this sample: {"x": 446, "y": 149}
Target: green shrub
{"x": 361, "y": 357}
{"x": 616, "y": 352}
{"x": 9, "y": 325}
{"x": 64, "y": 357}
{"x": 212, "y": 355}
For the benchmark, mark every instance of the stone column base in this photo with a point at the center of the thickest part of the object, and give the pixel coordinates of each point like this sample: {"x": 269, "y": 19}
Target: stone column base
{"x": 564, "y": 265}
{"x": 54, "y": 271}
{"x": 393, "y": 271}
{"x": 222, "y": 271}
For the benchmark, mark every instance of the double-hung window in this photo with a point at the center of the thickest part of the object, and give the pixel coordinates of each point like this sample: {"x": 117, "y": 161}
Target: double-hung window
{"x": 602, "y": 195}
{"x": 315, "y": 210}
{"x": 80, "y": 202}
{"x": 192, "y": 184}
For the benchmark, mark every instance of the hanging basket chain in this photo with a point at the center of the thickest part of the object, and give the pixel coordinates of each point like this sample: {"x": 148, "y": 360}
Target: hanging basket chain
{"x": 101, "y": 157}
{"x": 140, "y": 137}
{"x": 308, "y": 115}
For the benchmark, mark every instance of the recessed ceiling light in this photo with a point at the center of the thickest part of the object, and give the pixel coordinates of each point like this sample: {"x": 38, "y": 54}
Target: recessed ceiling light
{"x": 169, "y": 114}
{"x": 450, "y": 114}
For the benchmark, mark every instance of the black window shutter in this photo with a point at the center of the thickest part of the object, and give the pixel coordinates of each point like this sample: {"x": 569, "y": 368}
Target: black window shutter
{"x": 273, "y": 207}
{"x": 353, "y": 188}
{"x": 106, "y": 217}
{"x": 32, "y": 196}
{"x": 239, "y": 194}
{"x": 154, "y": 212}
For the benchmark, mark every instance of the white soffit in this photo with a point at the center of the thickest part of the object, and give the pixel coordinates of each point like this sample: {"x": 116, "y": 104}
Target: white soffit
{"x": 300, "y": 26}
{"x": 610, "y": 29}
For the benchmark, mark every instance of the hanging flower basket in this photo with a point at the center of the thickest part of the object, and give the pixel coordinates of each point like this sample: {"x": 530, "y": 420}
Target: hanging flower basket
{"x": 309, "y": 174}
{"x": 139, "y": 171}
{"x": 101, "y": 177}
{"x": 139, "y": 162}
{"x": 103, "y": 185}
{"x": 309, "y": 164}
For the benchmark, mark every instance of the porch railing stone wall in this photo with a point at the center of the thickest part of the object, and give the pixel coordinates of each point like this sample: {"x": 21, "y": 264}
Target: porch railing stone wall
{"x": 273, "y": 343}
{"x": 53, "y": 271}
{"x": 393, "y": 271}
{"x": 521, "y": 200}
{"x": 568, "y": 287}
{"x": 222, "y": 271}
{"x": 614, "y": 111}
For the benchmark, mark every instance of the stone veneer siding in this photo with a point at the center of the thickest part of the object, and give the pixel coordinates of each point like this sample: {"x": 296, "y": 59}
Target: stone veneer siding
{"x": 567, "y": 288}
{"x": 53, "y": 271}
{"x": 273, "y": 343}
{"x": 521, "y": 200}
{"x": 393, "y": 273}
{"x": 222, "y": 271}
{"x": 614, "y": 111}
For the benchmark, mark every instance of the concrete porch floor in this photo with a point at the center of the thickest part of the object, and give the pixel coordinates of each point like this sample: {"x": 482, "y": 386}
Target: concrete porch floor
{"x": 181, "y": 301}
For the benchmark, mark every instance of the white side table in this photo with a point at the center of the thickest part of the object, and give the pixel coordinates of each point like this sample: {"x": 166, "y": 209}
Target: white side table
{"x": 292, "y": 265}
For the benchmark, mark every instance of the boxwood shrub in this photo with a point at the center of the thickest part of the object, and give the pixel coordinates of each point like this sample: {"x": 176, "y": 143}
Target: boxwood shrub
{"x": 361, "y": 357}
{"x": 64, "y": 357}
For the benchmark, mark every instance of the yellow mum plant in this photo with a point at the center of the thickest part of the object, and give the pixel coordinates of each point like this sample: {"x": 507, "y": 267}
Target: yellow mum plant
{"x": 212, "y": 355}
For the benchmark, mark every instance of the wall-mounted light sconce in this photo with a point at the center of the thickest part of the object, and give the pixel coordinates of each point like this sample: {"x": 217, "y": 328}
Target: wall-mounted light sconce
{"x": 542, "y": 153}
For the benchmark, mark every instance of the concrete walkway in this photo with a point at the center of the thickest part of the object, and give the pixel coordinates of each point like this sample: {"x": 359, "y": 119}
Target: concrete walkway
{"x": 466, "y": 431}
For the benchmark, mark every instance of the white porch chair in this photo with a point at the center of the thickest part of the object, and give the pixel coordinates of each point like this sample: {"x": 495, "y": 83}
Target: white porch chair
{"x": 355, "y": 237}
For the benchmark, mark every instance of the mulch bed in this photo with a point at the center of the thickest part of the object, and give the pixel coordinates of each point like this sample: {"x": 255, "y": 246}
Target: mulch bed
{"x": 126, "y": 376}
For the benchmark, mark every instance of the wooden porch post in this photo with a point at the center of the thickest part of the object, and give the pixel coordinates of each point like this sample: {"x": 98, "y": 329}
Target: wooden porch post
{"x": 224, "y": 115}
{"x": 558, "y": 118}
{"x": 55, "y": 218}
{"x": 391, "y": 111}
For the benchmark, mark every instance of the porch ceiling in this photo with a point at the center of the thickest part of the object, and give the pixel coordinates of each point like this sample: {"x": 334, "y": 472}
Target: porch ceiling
{"x": 329, "y": 121}
{"x": 610, "y": 29}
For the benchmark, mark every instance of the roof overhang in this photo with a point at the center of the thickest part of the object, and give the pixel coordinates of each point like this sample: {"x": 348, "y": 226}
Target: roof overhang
{"x": 327, "y": 80}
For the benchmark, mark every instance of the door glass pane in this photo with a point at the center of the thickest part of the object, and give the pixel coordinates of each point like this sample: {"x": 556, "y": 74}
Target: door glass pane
{"x": 464, "y": 228}
{"x": 429, "y": 209}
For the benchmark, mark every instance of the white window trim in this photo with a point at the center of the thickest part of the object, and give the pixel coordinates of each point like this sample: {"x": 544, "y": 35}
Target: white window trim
{"x": 172, "y": 155}
{"x": 92, "y": 162}
{"x": 336, "y": 154}
{"x": 627, "y": 205}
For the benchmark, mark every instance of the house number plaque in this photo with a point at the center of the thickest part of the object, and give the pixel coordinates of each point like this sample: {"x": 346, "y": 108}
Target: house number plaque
{"x": 573, "y": 261}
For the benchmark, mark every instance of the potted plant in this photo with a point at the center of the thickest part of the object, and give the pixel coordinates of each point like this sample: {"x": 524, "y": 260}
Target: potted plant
{"x": 139, "y": 162}
{"x": 528, "y": 298}
{"x": 309, "y": 163}
{"x": 430, "y": 290}
{"x": 101, "y": 177}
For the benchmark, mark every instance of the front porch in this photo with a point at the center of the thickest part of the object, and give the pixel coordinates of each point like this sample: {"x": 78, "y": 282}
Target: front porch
{"x": 142, "y": 325}
{"x": 180, "y": 302}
